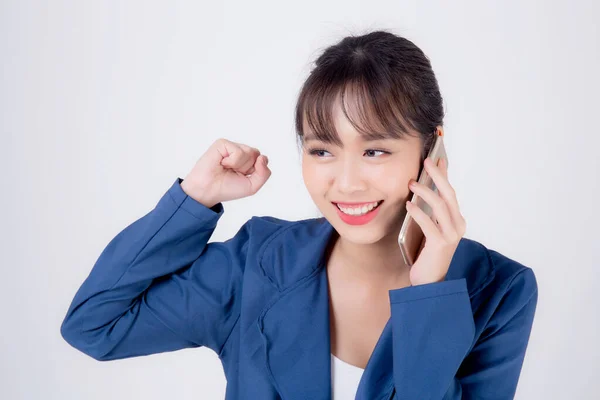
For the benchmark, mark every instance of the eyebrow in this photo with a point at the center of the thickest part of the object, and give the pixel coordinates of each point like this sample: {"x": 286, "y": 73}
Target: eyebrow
{"x": 370, "y": 137}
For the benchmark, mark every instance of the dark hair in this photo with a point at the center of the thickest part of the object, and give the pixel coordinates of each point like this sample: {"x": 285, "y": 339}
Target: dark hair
{"x": 390, "y": 84}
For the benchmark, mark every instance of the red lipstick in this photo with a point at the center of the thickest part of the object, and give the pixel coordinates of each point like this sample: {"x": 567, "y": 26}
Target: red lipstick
{"x": 357, "y": 219}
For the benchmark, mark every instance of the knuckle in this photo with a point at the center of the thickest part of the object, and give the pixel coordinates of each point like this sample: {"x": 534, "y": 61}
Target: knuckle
{"x": 237, "y": 147}
{"x": 440, "y": 245}
{"x": 236, "y": 154}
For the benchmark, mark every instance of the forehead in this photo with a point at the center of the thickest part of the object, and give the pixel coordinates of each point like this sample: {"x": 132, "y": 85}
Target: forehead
{"x": 344, "y": 131}
{"x": 352, "y": 116}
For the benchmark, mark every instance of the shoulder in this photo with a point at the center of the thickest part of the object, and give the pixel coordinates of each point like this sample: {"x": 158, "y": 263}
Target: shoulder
{"x": 287, "y": 251}
{"x": 268, "y": 228}
{"x": 497, "y": 280}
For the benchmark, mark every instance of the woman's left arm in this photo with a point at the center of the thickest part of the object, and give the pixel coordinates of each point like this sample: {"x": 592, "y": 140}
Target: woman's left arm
{"x": 433, "y": 319}
{"x": 433, "y": 332}
{"x": 492, "y": 368}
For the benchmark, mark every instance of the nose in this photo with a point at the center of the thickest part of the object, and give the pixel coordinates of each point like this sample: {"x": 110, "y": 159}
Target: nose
{"x": 350, "y": 177}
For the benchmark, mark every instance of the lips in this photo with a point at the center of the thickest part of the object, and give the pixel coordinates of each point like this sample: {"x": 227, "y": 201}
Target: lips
{"x": 358, "y": 219}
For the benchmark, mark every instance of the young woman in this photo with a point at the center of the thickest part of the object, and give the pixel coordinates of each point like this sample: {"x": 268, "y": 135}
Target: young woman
{"x": 322, "y": 307}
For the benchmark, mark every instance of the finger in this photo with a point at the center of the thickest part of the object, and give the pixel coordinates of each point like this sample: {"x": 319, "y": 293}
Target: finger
{"x": 261, "y": 173}
{"x": 445, "y": 190}
{"x": 441, "y": 181}
{"x": 248, "y": 165}
{"x": 237, "y": 158}
{"x": 459, "y": 221}
{"x": 438, "y": 205}
{"x": 234, "y": 157}
{"x": 228, "y": 149}
{"x": 250, "y": 150}
{"x": 423, "y": 220}
{"x": 252, "y": 154}
{"x": 457, "y": 217}
{"x": 258, "y": 160}
{"x": 443, "y": 166}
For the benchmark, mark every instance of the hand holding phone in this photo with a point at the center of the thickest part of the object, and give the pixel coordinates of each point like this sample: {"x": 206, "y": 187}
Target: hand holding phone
{"x": 411, "y": 235}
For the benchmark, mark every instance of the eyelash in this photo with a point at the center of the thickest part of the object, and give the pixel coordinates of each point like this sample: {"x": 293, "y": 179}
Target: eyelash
{"x": 314, "y": 151}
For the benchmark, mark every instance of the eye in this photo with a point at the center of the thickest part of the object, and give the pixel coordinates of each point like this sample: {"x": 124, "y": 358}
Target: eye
{"x": 370, "y": 151}
{"x": 317, "y": 152}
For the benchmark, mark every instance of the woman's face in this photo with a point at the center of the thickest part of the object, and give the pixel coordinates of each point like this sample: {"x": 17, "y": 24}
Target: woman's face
{"x": 360, "y": 172}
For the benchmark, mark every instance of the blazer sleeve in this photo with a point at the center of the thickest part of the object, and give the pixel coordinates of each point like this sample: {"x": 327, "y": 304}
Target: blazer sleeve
{"x": 434, "y": 323}
{"x": 159, "y": 286}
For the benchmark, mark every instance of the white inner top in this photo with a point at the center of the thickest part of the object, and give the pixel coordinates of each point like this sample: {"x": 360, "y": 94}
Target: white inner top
{"x": 344, "y": 379}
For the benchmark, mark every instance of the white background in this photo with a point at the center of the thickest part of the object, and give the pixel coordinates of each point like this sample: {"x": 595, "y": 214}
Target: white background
{"x": 104, "y": 103}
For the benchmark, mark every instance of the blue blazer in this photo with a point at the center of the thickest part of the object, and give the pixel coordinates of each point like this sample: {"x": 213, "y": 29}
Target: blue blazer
{"x": 260, "y": 301}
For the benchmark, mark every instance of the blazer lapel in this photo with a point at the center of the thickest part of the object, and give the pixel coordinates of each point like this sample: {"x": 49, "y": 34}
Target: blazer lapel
{"x": 295, "y": 330}
{"x": 295, "y": 324}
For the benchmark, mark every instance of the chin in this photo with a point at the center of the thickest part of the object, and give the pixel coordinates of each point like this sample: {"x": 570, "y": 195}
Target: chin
{"x": 361, "y": 238}
{"x": 370, "y": 232}
{"x": 358, "y": 234}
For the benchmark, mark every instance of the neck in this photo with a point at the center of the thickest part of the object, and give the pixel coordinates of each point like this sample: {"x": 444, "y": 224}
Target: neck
{"x": 377, "y": 265}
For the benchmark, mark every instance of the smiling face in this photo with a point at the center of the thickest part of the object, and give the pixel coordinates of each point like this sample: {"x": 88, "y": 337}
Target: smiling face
{"x": 366, "y": 172}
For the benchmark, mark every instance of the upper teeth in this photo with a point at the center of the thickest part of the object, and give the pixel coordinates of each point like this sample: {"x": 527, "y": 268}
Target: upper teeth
{"x": 358, "y": 210}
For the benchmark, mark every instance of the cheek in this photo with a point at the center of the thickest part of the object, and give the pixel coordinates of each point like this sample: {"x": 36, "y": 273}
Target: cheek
{"x": 394, "y": 181}
{"x": 312, "y": 179}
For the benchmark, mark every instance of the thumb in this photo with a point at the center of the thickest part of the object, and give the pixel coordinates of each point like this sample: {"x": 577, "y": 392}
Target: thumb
{"x": 261, "y": 173}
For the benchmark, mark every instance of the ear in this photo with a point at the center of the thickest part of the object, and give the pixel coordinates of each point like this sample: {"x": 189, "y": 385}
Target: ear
{"x": 439, "y": 130}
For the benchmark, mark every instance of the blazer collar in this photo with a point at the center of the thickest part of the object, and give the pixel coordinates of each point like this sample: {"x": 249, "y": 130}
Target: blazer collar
{"x": 295, "y": 325}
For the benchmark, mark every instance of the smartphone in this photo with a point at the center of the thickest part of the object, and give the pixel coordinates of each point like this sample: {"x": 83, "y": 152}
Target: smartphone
{"x": 411, "y": 236}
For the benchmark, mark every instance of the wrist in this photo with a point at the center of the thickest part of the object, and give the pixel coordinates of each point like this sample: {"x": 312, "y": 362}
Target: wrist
{"x": 204, "y": 200}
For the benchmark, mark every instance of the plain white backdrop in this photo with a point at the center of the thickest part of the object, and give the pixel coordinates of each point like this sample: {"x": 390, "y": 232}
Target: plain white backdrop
{"x": 104, "y": 103}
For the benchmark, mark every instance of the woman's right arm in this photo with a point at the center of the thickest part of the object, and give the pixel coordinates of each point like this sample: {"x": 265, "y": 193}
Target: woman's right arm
{"x": 159, "y": 285}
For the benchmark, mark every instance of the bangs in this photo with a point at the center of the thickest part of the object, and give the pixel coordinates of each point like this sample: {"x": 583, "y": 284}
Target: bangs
{"x": 376, "y": 107}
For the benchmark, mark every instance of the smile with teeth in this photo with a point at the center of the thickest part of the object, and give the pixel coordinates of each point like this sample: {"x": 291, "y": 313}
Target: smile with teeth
{"x": 357, "y": 211}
